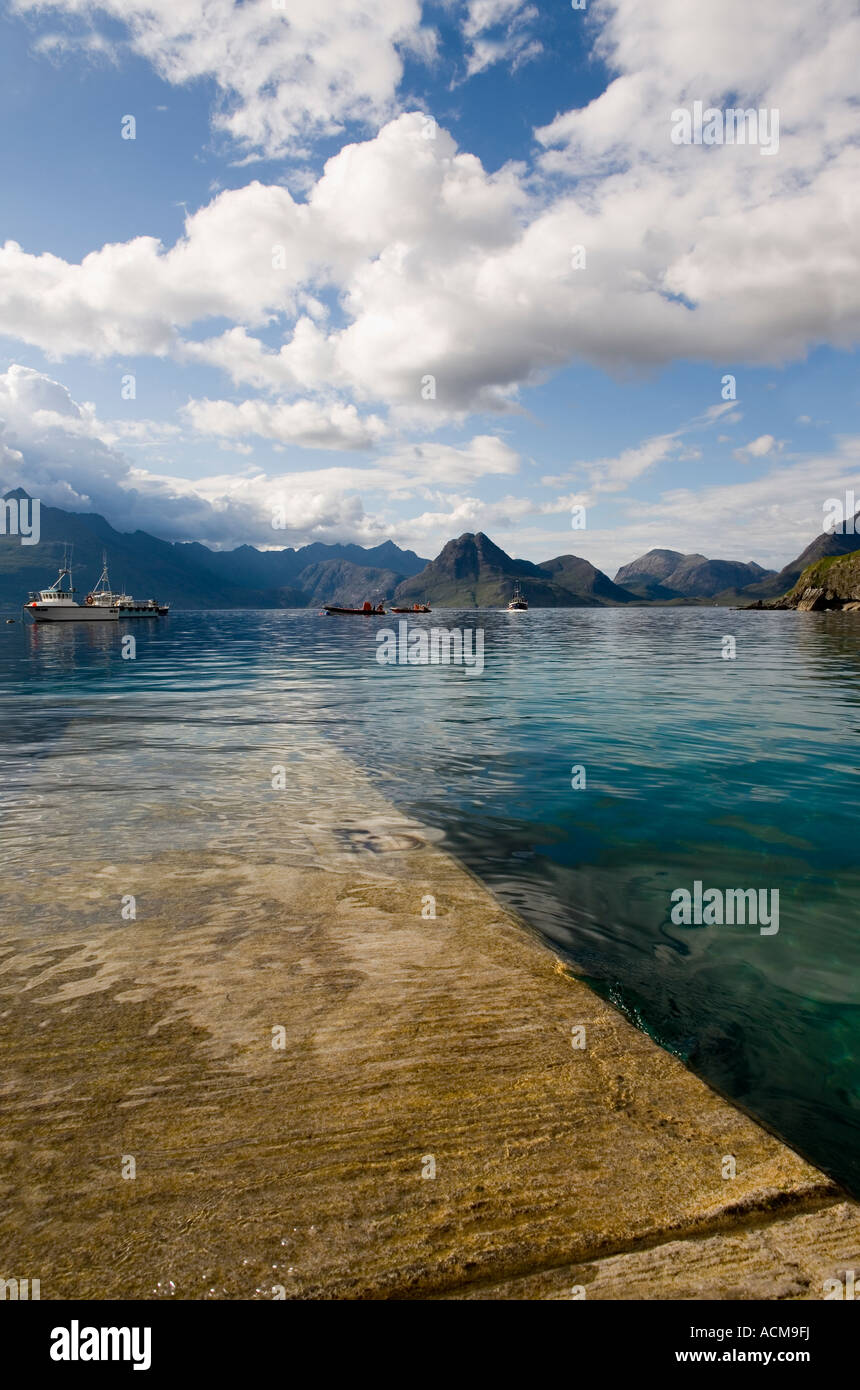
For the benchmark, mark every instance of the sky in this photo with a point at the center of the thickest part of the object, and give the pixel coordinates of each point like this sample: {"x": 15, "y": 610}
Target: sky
{"x": 372, "y": 269}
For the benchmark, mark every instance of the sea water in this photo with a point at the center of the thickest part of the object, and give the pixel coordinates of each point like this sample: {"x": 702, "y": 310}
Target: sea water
{"x": 602, "y": 761}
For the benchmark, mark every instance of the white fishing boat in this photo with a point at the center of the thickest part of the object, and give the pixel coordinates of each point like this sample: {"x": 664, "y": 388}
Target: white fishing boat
{"x": 59, "y": 605}
{"x": 102, "y": 596}
{"x": 519, "y": 602}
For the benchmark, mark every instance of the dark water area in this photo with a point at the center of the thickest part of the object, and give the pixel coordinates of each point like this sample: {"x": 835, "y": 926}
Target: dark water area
{"x": 738, "y": 774}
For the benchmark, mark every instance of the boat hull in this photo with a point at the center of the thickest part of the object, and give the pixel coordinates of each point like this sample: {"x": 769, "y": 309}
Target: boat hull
{"x": 141, "y": 612}
{"x": 71, "y": 613}
{"x": 354, "y": 612}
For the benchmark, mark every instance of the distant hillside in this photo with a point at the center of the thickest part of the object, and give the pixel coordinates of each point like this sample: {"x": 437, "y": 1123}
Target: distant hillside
{"x": 346, "y": 584}
{"x": 666, "y": 574}
{"x": 473, "y": 572}
{"x": 580, "y": 577}
{"x": 656, "y": 566}
{"x": 190, "y": 575}
{"x": 272, "y": 569}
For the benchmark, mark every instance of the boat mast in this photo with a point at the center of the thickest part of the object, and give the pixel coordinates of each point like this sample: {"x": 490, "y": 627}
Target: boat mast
{"x": 103, "y": 577}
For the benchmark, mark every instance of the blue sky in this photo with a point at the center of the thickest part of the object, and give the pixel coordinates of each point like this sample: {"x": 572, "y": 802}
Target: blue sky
{"x": 326, "y": 204}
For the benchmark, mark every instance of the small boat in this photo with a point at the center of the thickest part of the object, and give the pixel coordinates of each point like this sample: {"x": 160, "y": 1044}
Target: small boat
{"x": 59, "y": 605}
{"x": 416, "y": 608}
{"x": 519, "y": 602}
{"x": 366, "y": 611}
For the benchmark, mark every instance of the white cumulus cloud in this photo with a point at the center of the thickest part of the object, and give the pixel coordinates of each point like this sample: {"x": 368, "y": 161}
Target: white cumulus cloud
{"x": 283, "y": 68}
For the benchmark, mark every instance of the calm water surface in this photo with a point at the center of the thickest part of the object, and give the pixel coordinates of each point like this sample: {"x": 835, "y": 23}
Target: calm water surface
{"x": 741, "y": 774}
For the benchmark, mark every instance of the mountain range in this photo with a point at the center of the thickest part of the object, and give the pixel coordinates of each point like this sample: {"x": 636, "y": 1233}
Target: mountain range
{"x": 471, "y": 571}
{"x": 665, "y": 575}
{"x": 190, "y": 575}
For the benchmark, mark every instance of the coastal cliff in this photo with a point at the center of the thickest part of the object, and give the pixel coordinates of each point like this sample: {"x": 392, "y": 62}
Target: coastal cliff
{"x": 830, "y": 583}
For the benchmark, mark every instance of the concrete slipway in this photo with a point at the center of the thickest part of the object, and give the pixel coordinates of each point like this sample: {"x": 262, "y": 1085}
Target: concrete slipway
{"x": 410, "y": 1045}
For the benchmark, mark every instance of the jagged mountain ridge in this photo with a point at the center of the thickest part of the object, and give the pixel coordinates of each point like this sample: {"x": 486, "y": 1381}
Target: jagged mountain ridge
{"x": 668, "y": 574}
{"x": 470, "y": 571}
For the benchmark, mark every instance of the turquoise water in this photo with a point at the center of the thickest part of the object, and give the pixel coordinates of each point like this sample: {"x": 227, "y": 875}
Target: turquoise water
{"x": 739, "y": 774}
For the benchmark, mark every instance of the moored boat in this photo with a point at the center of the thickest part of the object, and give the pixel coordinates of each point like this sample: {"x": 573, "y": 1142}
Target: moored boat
{"x": 59, "y": 605}
{"x": 102, "y": 596}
